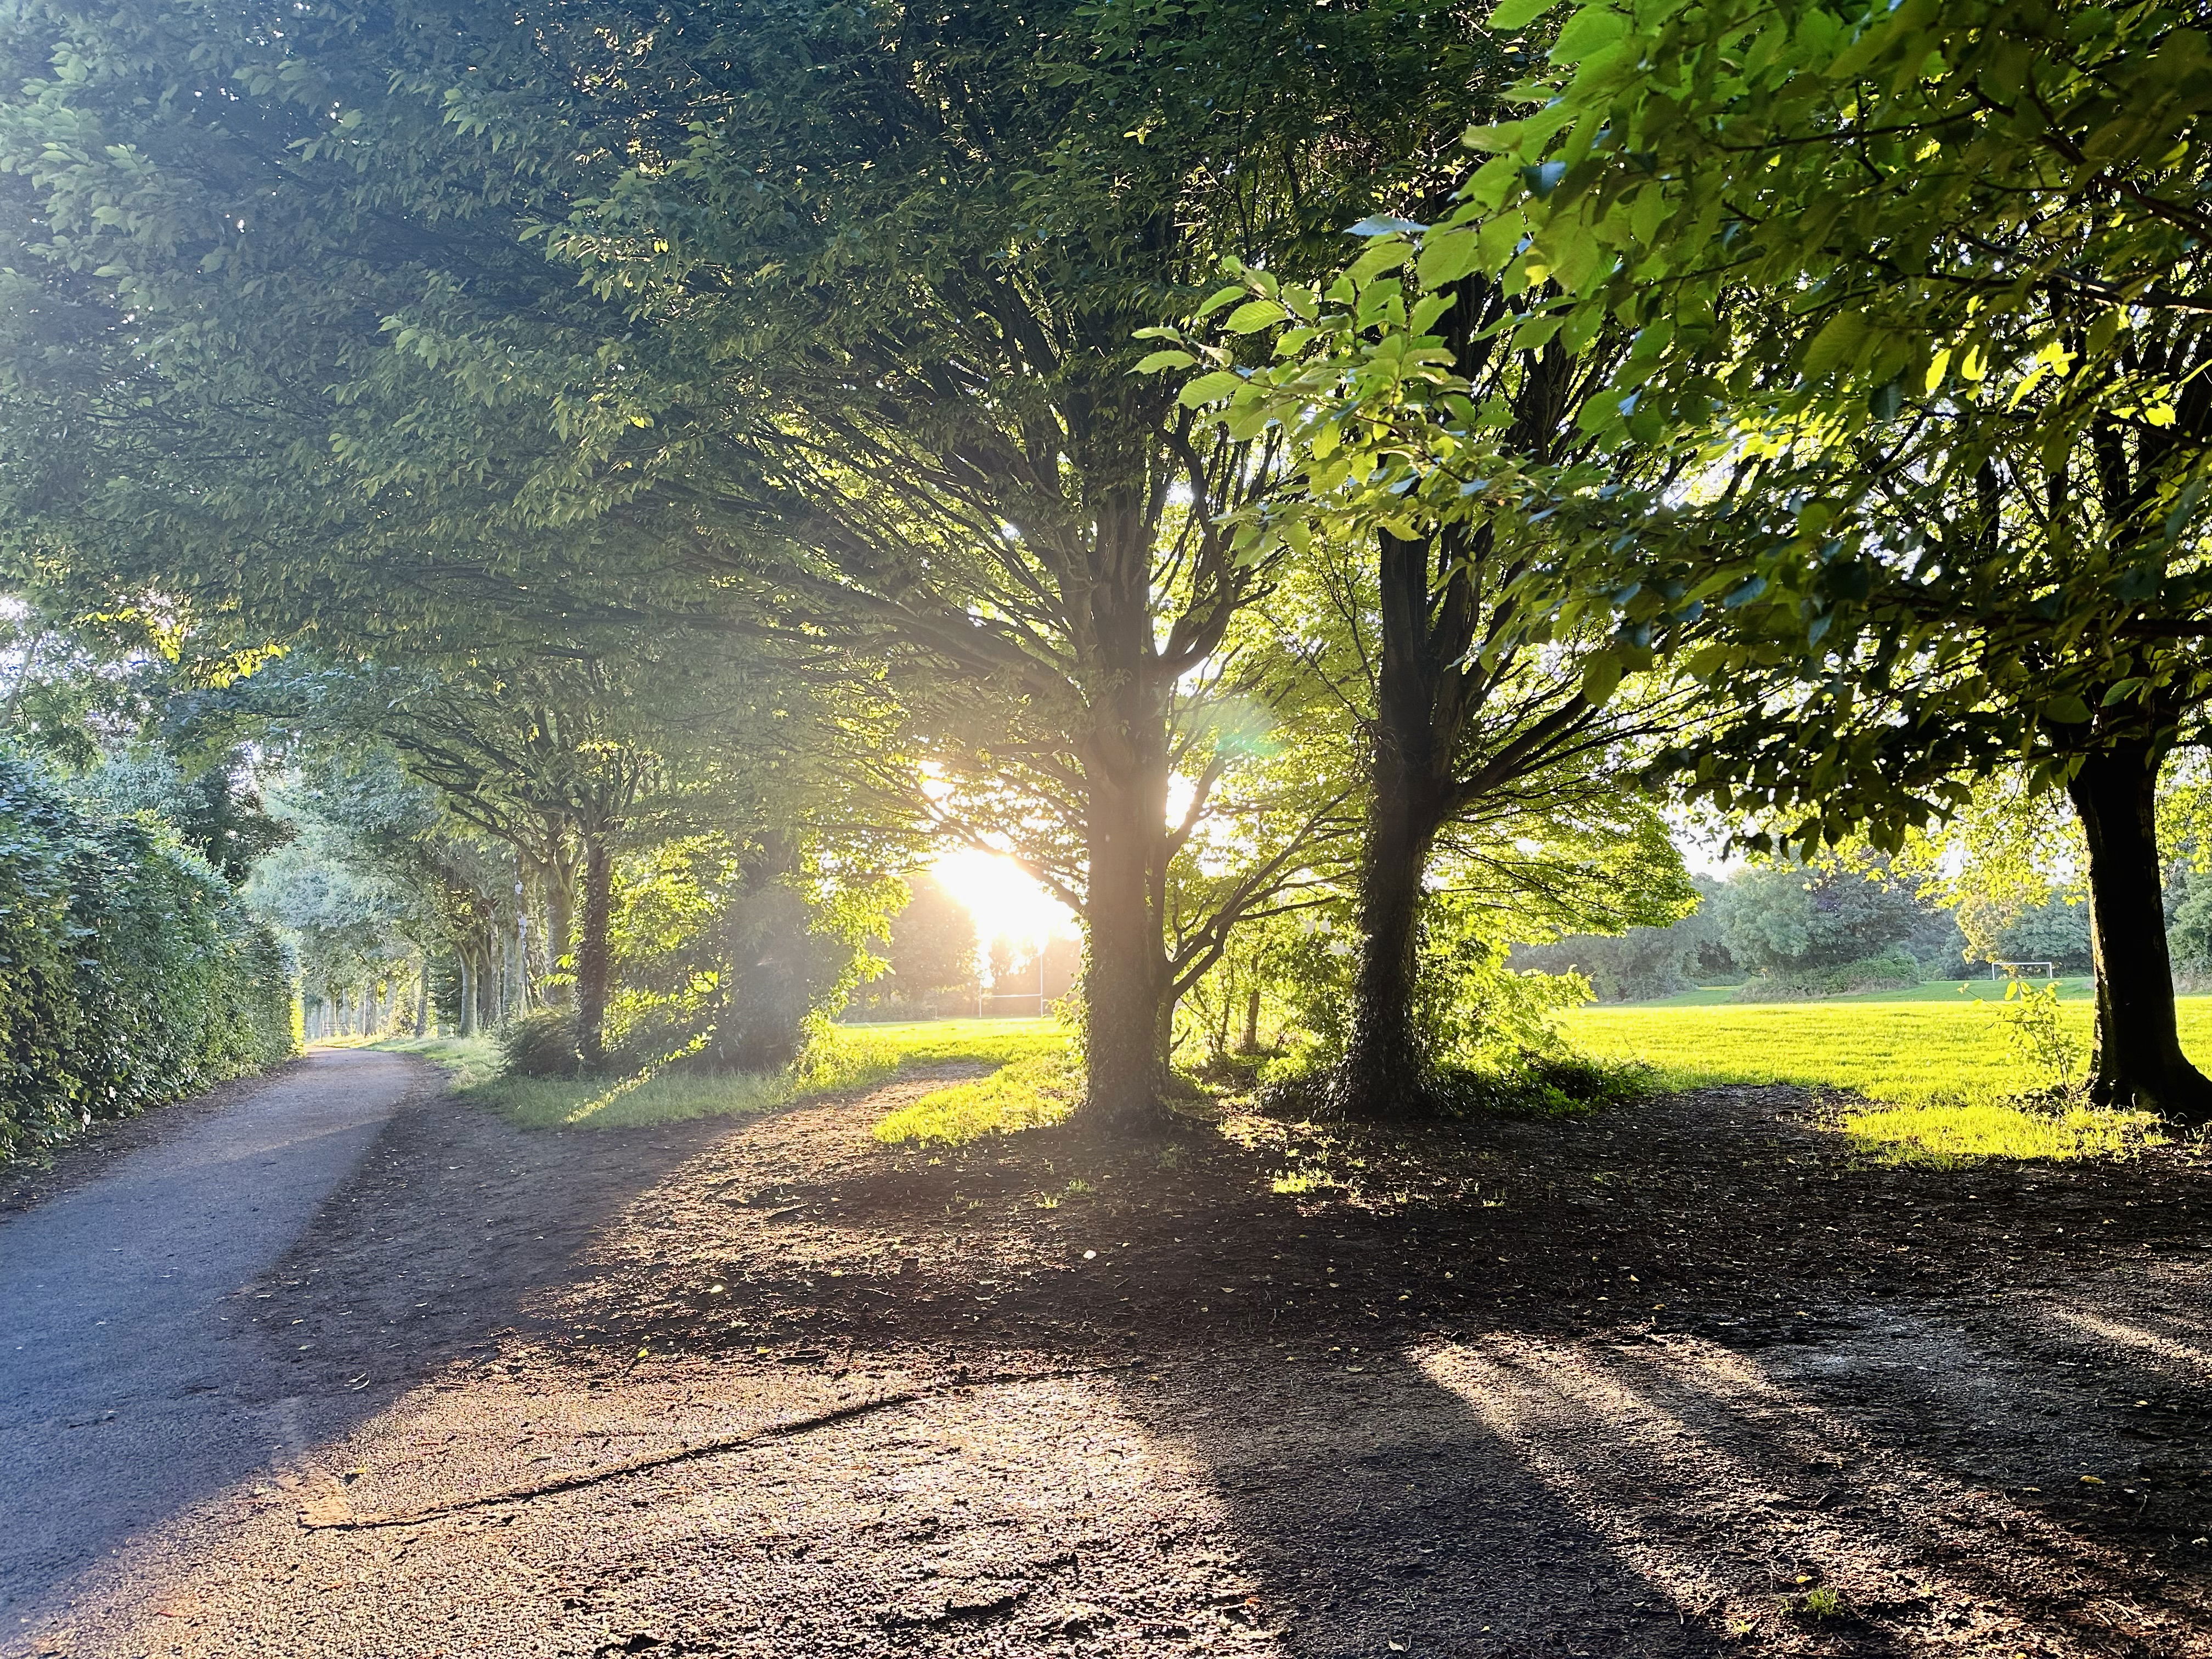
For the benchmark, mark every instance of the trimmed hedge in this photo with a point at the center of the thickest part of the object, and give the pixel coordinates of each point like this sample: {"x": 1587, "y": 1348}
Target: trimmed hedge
{"x": 129, "y": 972}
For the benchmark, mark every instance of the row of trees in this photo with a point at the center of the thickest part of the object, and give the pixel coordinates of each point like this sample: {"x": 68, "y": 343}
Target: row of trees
{"x": 659, "y": 421}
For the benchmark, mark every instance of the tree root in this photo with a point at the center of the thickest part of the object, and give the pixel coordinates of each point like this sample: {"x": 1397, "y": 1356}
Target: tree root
{"x": 331, "y": 1513}
{"x": 352, "y": 1523}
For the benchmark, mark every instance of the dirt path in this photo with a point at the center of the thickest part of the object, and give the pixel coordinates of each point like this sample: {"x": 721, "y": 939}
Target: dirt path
{"x": 1678, "y": 1381}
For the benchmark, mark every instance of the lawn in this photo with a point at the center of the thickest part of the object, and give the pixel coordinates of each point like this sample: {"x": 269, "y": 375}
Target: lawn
{"x": 853, "y": 1057}
{"x": 1934, "y": 990}
{"x": 1939, "y": 1072}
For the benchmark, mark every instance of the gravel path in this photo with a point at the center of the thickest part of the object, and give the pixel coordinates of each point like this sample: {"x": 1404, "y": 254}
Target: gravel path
{"x": 759, "y": 1388}
{"x": 126, "y": 1394}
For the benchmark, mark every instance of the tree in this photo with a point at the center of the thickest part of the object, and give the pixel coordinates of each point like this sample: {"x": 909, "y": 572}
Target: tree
{"x": 931, "y": 949}
{"x": 1920, "y": 287}
{"x": 937, "y": 249}
{"x": 1412, "y": 419}
{"x": 855, "y": 343}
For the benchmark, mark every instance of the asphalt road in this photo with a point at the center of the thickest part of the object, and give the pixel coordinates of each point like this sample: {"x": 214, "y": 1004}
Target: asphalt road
{"x": 130, "y": 1385}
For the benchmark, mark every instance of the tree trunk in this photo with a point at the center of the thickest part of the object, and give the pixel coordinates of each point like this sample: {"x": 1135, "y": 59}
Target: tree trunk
{"x": 592, "y": 953}
{"x": 1384, "y": 1071}
{"x": 468, "y": 1008}
{"x": 560, "y": 879}
{"x": 2138, "y": 1061}
{"x": 1251, "y": 1042}
{"x": 1128, "y": 1011}
{"x": 422, "y": 999}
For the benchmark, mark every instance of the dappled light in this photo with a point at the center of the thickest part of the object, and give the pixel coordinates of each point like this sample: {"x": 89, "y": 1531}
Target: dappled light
{"x": 1112, "y": 830}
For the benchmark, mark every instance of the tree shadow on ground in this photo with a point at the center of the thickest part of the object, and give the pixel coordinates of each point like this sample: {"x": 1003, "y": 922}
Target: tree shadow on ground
{"x": 1562, "y": 1462}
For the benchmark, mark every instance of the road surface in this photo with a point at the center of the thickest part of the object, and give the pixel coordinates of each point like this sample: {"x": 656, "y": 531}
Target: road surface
{"x": 130, "y": 1384}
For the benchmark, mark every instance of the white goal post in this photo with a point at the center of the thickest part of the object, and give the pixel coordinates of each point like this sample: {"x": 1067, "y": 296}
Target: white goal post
{"x": 2019, "y": 969}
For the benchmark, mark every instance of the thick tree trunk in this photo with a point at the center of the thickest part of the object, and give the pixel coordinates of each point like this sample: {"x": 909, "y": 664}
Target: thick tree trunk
{"x": 592, "y": 953}
{"x": 1384, "y": 1071}
{"x": 2138, "y": 1061}
{"x": 468, "y": 998}
{"x": 1128, "y": 1011}
{"x": 1250, "y": 1045}
{"x": 423, "y": 1000}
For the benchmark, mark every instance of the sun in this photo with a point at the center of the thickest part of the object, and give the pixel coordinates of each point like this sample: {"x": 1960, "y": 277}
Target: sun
{"x": 1004, "y": 898}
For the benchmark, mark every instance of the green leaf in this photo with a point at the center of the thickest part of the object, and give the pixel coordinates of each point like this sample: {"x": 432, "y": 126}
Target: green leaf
{"x": 1220, "y": 297}
{"x": 1426, "y": 312}
{"x": 1447, "y": 256}
{"x": 1209, "y": 388}
{"x": 1601, "y": 676}
{"x": 1586, "y": 31}
{"x": 1254, "y": 315}
{"x": 1519, "y": 13}
{"x": 1838, "y": 339}
{"x": 1158, "y": 361}
{"x": 2066, "y": 711}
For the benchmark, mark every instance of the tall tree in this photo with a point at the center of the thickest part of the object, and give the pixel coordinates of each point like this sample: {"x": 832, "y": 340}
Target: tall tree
{"x": 1921, "y": 288}
{"x": 856, "y": 341}
{"x": 1422, "y": 407}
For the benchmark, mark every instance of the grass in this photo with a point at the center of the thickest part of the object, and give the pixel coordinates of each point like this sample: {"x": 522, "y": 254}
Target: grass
{"x": 1942, "y": 1078}
{"x": 471, "y": 1061}
{"x": 1934, "y": 990}
{"x": 853, "y": 1057}
{"x": 1025, "y": 1094}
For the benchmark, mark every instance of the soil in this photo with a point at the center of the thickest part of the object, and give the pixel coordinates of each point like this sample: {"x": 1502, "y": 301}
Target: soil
{"x": 1685, "y": 1378}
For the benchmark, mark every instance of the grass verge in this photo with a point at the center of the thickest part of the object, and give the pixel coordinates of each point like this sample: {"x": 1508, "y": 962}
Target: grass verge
{"x": 853, "y": 1057}
{"x": 471, "y": 1061}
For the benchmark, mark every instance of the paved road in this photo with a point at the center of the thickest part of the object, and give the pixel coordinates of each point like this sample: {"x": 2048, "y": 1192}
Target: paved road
{"x": 128, "y": 1384}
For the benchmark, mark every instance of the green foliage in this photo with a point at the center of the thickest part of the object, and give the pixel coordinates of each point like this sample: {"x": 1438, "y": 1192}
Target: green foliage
{"x": 2043, "y": 1038}
{"x": 1894, "y": 969}
{"x": 541, "y": 1043}
{"x": 129, "y": 973}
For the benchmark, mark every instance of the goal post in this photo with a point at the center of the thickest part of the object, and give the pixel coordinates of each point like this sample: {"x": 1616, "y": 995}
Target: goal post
{"x": 2021, "y": 970}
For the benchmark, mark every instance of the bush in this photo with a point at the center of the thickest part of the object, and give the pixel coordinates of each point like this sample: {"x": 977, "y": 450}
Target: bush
{"x": 542, "y": 1043}
{"x": 1892, "y": 971}
{"x": 129, "y": 973}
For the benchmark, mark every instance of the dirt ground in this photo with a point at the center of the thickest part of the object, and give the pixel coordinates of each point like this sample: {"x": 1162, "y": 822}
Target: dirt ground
{"x": 1679, "y": 1379}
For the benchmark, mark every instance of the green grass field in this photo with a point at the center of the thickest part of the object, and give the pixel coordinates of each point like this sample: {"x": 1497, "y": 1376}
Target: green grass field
{"x": 1939, "y": 1072}
{"x": 1941, "y": 990}
{"x": 1936, "y": 1065}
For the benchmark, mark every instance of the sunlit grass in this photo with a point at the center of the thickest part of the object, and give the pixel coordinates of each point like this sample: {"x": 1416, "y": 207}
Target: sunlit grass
{"x": 1025, "y": 1094}
{"x": 1977, "y": 989}
{"x": 1962, "y": 1134}
{"x": 472, "y": 1061}
{"x": 851, "y": 1057}
{"x": 1940, "y": 1076}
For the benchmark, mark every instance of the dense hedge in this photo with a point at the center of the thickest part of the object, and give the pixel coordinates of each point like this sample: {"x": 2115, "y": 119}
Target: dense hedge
{"x": 1892, "y": 971}
{"x": 129, "y": 973}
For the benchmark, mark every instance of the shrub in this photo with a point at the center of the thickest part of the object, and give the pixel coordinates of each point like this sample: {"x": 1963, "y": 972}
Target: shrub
{"x": 542, "y": 1043}
{"x": 129, "y": 973}
{"x": 1892, "y": 971}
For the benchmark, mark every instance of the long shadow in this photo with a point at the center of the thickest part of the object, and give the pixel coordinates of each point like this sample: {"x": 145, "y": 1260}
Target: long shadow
{"x": 1521, "y": 1457}
{"x": 227, "y": 1298}
{"x": 1559, "y": 1472}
